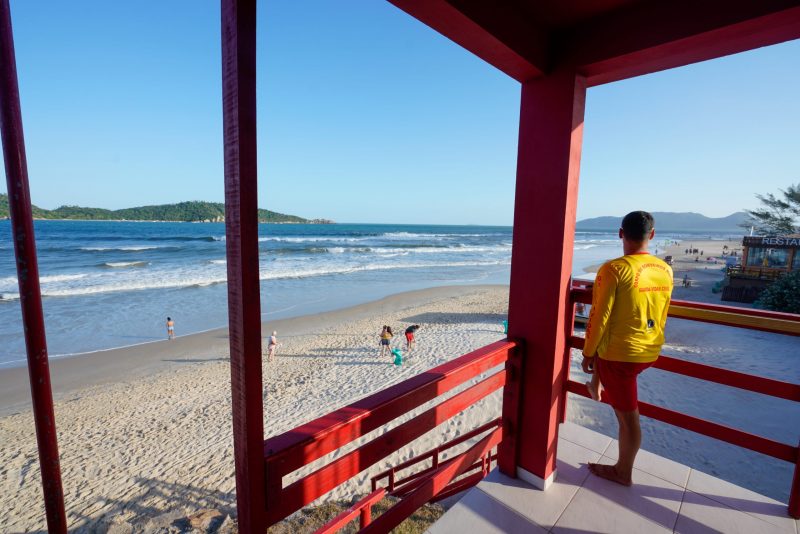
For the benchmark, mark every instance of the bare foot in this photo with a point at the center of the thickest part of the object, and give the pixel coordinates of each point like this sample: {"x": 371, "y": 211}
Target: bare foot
{"x": 593, "y": 392}
{"x": 609, "y": 472}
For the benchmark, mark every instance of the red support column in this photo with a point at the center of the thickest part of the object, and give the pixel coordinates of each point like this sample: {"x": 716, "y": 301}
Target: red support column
{"x": 30, "y": 296}
{"x": 241, "y": 230}
{"x": 794, "y": 493}
{"x": 551, "y": 129}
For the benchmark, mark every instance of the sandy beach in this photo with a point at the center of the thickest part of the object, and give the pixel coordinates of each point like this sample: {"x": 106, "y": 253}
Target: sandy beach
{"x": 146, "y": 430}
{"x": 149, "y": 431}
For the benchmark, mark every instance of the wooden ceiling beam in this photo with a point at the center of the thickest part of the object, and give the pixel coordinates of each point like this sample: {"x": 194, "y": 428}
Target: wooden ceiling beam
{"x": 497, "y": 32}
{"x": 654, "y": 36}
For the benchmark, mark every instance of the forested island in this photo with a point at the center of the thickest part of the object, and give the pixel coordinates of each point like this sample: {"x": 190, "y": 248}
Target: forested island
{"x": 193, "y": 211}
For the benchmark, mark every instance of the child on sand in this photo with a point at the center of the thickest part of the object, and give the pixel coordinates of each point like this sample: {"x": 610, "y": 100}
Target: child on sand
{"x": 170, "y": 328}
{"x": 272, "y": 346}
{"x": 386, "y": 335}
{"x": 410, "y": 335}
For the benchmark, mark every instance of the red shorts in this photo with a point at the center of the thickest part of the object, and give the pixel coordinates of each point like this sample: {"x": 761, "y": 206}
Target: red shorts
{"x": 410, "y": 336}
{"x": 619, "y": 383}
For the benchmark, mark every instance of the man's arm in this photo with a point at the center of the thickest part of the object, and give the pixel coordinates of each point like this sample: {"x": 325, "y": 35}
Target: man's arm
{"x": 605, "y": 289}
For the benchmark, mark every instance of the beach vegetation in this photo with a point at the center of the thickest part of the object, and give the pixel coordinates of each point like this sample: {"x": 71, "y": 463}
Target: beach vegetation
{"x": 779, "y": 215}
{"x": 311, "y": 518}
{"x": 782, "y": 295}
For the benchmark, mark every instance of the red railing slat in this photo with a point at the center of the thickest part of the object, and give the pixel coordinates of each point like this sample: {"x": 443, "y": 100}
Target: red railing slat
{"x": 434, "y": 484}
{"x": 316, "y": 484}
{"x": 407, "y": 485}
{"x": 351, "y": 513}
{"x": 734, "y": 436}
{"x": 726, "y": 377}
{"x": 302, "y": 445}
{"x": 438, "y": 450}
{"x": 459, "y": 486}
{"x": 771, "y": 321}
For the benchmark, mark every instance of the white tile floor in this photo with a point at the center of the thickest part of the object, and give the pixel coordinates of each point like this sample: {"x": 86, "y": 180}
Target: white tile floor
{"x": 666, "y": 497}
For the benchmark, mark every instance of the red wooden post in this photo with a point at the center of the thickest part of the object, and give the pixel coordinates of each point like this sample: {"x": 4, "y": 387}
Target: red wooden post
{"x": 551, "y": 129}
{"x": 570, "y": 326}
{"x": 512, "y": 395}
{"x": 366, "y": 515}
{"x": 241, "y": 230}
{"x": 30, "y": 296}
{"x": 794, "y": 494}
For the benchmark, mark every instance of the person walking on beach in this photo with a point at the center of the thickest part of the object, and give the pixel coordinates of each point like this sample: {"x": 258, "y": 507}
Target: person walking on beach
{"x": 272, "y": 346}
{"x": 410, "y": 335}
{"x": 386, "y": 335}
{"x": 625, "y": 333}
{"x": 170, "y": 328}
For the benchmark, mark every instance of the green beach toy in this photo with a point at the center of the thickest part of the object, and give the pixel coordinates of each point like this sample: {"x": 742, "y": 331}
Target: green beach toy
{"x": 505, "y": 327}
{"x": 398, "y": 357}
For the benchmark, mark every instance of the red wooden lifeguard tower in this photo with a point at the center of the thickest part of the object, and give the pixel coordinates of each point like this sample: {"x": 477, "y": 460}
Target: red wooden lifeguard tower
{"x": 555, "y": 49}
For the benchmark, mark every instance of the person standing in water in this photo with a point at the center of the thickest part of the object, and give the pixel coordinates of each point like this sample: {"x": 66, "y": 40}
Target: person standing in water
{"x": 170, "y": 328}
{"x": 272, "y": 346}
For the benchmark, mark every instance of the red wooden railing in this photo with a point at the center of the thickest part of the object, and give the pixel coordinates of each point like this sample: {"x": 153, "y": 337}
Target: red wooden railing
{"x": 401, "y": 487}
{"x": 397, "y": 487}
{"x": 768, "y": 321}
{"x": 301, "y": 446}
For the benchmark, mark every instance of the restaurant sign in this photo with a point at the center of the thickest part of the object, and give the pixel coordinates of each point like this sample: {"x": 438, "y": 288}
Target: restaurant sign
{"x": 773, "y": 242}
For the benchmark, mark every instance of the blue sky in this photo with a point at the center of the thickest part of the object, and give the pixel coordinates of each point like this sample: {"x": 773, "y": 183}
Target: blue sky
{"x": 366, "y": 115}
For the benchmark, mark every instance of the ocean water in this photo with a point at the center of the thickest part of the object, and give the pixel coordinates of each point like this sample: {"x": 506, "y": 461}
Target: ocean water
{"x": 110, "y": 284}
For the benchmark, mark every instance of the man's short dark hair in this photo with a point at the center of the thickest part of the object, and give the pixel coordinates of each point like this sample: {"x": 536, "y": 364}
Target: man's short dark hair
{"x": 637, "y": 225}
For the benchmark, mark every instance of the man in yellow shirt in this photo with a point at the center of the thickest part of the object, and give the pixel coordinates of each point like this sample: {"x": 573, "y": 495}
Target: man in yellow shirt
{"x": 625, "y": 333}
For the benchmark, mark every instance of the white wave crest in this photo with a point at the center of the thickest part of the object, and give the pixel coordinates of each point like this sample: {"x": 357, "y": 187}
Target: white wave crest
{"x": 61, "y": 278}
{"x": 123, "y": 264}
{"x": 129, "y": 248}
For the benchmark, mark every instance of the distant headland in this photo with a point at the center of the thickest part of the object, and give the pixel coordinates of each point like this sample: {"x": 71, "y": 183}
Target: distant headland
{"x": 193, "y": 211}
{"x": 675, "y": 222}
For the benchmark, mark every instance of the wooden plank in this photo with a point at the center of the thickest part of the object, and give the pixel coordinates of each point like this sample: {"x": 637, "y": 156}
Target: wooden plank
{"x": 459, "y": 486}
{"x": 30, "y": 295}
{"x": 438, "y": 450}
{"x": 735, "y": 379}
{"x": 434, "y": 484}
{"x": 730, "y": 435}
{"x": 341, "y": 520}
{"x": 326, "y": 478}
{"x": 740, "y": 320}
{"x": 649, "y": 37}
{"x": 302, "y": 445}
{"x": 241, "y": 231}
{"x": 764, "y": 320}
{"x": 496, "y": 32}
{"x": 508, "y": 450}
{"x": 726, "y": 377}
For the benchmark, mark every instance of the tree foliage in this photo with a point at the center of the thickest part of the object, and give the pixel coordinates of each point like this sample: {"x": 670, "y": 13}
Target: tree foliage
{"x": 779, "y": 214}
{"x": 194, "y": 211}
{"x": 782, "y": 295}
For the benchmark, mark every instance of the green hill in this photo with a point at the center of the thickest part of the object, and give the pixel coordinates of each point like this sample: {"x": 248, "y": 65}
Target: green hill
{"x": 194, "y": 211}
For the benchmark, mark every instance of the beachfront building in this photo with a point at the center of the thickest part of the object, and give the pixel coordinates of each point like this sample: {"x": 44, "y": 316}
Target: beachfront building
{"x": 764, "y": 259}
{"x": 529, "y": 466}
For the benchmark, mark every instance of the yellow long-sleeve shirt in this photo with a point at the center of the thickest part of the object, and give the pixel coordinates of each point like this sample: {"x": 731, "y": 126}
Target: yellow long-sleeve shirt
{"x": 630, "y": 300}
